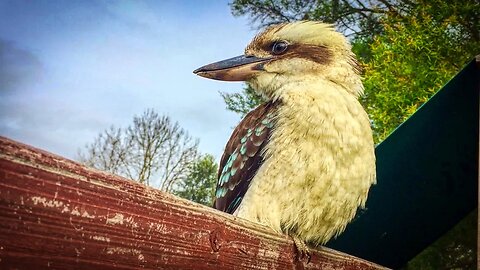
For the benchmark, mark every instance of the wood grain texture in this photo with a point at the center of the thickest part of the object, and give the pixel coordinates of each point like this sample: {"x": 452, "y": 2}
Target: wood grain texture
{"x": 58, "y": 214}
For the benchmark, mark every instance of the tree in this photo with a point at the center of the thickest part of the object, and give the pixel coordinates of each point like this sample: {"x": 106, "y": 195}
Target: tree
{"x": 108, "y": 152}
{"x": 414, "y": 57}
{"x": 354, "y": 17}
{"x": 199, "y": 185}
{"x": 358, "y": 19}
{"x": 152, "y": 150}
{"x": 243, "y": 102}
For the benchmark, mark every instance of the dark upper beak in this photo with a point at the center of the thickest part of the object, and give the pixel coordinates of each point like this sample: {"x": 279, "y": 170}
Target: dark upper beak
{"x": 238, "y": 68}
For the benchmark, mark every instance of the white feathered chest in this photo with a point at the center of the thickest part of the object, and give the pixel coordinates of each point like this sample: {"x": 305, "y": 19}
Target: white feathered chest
{"x": 319, "y": 165}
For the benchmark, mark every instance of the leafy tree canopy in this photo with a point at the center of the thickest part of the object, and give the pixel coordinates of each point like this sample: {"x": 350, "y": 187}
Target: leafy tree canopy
{"x": 414, "y": 57}
{"x": 199, "y": 185}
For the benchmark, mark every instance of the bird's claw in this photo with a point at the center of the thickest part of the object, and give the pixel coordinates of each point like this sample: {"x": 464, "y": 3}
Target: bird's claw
{"x": 303, "y": 253}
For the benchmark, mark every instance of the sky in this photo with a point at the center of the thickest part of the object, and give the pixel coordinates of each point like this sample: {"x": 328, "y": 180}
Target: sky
{"x": 71, "y": 69}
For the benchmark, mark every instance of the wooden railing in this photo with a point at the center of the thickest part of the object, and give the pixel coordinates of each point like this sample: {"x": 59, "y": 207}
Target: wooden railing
{"x": 59, "y": 214}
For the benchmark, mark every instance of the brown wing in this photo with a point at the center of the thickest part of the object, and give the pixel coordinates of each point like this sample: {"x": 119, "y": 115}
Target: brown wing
{"x": 243, "y": 156}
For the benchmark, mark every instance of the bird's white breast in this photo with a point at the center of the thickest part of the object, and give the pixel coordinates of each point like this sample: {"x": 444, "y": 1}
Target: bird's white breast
{"x": 319, "y": 165}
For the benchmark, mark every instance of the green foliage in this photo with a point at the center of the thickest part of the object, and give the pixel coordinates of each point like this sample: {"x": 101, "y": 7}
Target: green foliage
{"x": 199, "y": 185}
{"x": 242, "y": 102}
{"x": 356, "y": 18}
{"x": 417, "y": 54}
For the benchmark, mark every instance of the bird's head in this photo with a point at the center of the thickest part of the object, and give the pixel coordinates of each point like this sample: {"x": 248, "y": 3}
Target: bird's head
{"x": 291, "y": 53}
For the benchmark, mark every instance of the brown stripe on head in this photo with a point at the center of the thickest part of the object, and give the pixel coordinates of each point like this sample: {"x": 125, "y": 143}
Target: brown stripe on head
{"x": 319, "y": 54}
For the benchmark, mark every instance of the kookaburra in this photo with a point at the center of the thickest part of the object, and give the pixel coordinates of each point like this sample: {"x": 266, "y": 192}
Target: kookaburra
{"x": 302, "y": 162}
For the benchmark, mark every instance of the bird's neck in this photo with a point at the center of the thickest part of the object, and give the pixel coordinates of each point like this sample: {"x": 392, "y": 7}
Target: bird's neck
{"x": 312, "y": 91}
{"x": 315, "y": 102}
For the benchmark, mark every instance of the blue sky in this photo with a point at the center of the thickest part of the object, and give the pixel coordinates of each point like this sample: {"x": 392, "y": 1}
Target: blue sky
{"x": 70, "y": 69}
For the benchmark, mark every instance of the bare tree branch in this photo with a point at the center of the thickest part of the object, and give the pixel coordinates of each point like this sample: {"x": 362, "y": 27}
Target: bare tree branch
{"x": 152, "y": 150}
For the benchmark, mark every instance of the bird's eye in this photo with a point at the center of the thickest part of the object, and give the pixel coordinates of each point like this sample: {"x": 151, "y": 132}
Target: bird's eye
{"x": 279, "y": 47}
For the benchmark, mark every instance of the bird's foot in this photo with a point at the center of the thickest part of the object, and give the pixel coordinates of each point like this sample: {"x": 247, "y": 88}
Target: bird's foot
{"x": 303, "y": 254}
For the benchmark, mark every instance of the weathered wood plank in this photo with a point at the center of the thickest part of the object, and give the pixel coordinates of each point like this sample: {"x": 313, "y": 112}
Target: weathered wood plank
{"x": 58, "y": 214}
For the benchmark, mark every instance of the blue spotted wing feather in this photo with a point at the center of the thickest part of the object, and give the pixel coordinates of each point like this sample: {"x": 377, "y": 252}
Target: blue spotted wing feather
{"x": 243, "y": 156}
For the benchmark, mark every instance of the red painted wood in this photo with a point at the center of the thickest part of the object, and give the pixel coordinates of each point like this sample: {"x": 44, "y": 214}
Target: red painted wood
{"x": 58, "y": 214}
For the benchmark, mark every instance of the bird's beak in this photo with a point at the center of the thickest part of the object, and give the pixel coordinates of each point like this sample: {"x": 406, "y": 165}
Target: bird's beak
{"x": 240, "y": 68}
